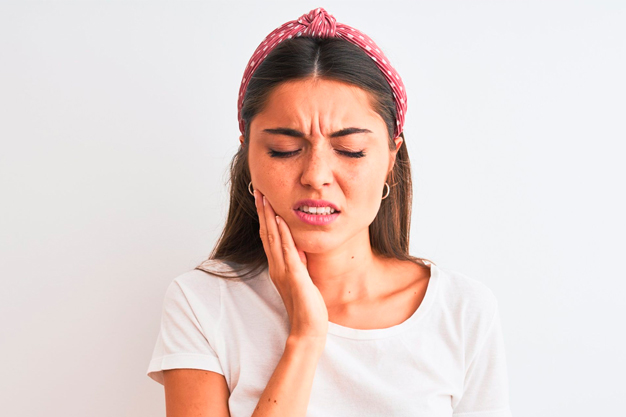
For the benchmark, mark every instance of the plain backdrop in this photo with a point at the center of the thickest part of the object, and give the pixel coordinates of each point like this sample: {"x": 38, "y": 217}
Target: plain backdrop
{"x": 118, "y": 120}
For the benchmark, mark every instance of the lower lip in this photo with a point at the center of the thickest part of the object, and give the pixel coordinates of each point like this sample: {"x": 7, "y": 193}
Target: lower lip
{"x": 317, "y": 219}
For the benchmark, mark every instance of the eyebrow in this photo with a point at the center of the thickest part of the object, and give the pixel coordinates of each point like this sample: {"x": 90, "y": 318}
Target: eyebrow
{"x": 297, "y": 134}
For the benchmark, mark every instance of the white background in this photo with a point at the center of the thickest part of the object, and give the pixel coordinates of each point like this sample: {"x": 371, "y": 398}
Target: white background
{"x": 118, "y": 120}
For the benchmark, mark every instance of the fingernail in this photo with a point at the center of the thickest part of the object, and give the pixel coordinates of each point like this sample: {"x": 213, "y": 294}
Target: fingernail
{"x": 277, "y": 220}
{"x": 263, "y": 200}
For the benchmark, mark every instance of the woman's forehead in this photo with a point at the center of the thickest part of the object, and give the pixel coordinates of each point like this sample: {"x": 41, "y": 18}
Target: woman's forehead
{"x": 327, "y": 103}
{"x": 318, "y": 88}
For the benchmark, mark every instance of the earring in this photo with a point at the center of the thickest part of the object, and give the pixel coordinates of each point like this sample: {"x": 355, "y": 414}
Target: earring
{"x": 251, "y": 192}
{"x": 388, "y": 189}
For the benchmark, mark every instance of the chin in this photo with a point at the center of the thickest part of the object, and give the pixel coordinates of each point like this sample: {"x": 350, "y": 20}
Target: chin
{"x": 314, "y": 242}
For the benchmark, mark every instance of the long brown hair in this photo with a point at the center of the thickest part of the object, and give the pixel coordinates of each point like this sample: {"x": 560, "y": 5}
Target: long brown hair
{"x": 240, "y": 245}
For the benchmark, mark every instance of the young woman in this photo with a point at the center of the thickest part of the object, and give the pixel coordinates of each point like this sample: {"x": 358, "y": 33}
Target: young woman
{"x": 310, "y": 304}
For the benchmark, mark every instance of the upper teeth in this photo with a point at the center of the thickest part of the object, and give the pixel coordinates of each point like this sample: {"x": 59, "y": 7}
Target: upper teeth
{"x": 317, "y": 210}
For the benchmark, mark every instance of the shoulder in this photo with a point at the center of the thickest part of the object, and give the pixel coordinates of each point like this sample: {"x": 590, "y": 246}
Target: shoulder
{"x": 467, "y": 298}
{"x": 196, "y": 292}
{"x": 202, "y": 277}
{"x": 199, "y": 283}
{"x": 463, "y": 288}
{"x": 214, "y": 276}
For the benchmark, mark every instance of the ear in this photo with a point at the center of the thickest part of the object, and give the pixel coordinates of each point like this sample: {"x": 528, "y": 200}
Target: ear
{"x": 398, "y": 142}
{"x": 392, "y": 155}
{"x": 241, "y": 140}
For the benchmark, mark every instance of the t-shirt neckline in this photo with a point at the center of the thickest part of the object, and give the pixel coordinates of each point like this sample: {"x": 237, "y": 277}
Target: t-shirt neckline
{"x": 363, "y": 334}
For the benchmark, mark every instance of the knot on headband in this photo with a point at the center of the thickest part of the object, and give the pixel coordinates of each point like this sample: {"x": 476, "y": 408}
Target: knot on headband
{"x": 318, "y": 23}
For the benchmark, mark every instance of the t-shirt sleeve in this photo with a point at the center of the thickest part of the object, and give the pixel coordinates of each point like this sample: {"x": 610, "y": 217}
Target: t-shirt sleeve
{"x": 182, "y": 341}
{"x": 486, "y": 385}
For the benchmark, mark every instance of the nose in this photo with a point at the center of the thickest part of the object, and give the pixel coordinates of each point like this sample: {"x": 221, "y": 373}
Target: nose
{"x": 317, "y": 170}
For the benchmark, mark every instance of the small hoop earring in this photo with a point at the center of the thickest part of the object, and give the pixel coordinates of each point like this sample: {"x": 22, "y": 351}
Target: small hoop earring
{"x": 388, "y": 189}
{"x": 251, "y": 192}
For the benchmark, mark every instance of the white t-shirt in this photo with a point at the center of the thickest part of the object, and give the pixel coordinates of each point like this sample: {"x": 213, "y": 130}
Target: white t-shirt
{"x": 447, "y": 359}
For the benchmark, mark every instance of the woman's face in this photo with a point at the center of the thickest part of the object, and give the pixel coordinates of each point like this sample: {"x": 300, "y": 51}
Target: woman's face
{"x": 305, "y": 119}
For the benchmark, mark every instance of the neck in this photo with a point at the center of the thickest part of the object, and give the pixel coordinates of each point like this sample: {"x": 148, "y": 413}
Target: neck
{"x": 347, "y": 274}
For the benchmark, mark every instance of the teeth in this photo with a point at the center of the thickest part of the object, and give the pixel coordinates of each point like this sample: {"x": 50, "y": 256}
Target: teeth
{"x": 317, "y": 210}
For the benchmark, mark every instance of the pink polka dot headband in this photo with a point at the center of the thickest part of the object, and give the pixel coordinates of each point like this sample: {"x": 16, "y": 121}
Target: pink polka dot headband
{"x": 319, "y": 23}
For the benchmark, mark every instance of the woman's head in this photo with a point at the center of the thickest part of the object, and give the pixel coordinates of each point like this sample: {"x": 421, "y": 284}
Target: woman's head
{"x": 321, "y": 139}
{"x": 317, "y": 87}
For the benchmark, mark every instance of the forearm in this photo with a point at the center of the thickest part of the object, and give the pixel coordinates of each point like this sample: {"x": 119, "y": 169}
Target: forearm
{"x": 288, "y": 391}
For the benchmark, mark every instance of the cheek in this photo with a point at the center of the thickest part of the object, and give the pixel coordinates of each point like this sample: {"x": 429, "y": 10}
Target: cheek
{"x": 262, "y": 170}
{"x": 363, "y": 182}
{"x": 359, "y": 182}
{"x": 281, "y": 184}
{"x": 273, "y": 176}
{"x": 271, "y": 179}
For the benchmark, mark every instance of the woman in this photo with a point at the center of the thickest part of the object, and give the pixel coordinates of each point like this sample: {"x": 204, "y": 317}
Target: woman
{"x": 310, "y": 303}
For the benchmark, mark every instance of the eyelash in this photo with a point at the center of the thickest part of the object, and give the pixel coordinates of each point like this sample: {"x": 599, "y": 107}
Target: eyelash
{"x": 276, "y": 154}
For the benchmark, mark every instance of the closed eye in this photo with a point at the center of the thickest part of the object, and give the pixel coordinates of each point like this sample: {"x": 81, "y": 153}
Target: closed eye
{"x": 276, "y": 154}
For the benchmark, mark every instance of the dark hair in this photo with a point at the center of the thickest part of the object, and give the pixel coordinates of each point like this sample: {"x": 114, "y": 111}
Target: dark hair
{"x": 240, "y": 244}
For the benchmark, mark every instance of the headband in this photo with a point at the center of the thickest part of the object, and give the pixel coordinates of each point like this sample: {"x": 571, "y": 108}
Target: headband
{"x": 320, "y": 24}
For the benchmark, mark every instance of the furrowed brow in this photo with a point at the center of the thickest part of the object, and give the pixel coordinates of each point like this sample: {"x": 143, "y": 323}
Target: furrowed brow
{"x": 349, "y": 131}
{"x": 285, "y": 131}
{"x": 297, "y": 134}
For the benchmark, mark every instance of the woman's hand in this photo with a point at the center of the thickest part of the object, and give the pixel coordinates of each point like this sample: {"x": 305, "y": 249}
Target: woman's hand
{"x": 305, "y": 305}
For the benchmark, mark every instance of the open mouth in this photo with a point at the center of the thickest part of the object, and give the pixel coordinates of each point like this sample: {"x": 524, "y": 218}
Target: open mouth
{"x": 325, "y": 216}
{"x": 317, "y": 211}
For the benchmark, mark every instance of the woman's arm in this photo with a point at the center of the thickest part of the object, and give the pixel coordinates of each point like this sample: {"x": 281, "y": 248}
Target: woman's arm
{"x": 288, "y": 391}
{"x": 195, "y": 392}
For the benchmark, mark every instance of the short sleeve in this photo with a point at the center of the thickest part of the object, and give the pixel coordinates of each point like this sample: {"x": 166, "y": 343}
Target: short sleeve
{"x": 486, "y": 385}
{"x": 182, "y": 341}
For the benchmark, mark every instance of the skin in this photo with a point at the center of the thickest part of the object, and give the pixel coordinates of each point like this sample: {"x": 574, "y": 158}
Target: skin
{"x": 353, "y": 281}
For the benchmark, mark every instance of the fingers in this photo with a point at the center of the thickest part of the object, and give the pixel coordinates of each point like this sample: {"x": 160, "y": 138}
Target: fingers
{"x": 269, "y": 233}
{"x": 258, "y": 202}
{"x": 273, "y": 237}
{"x": 291, "y": 255}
